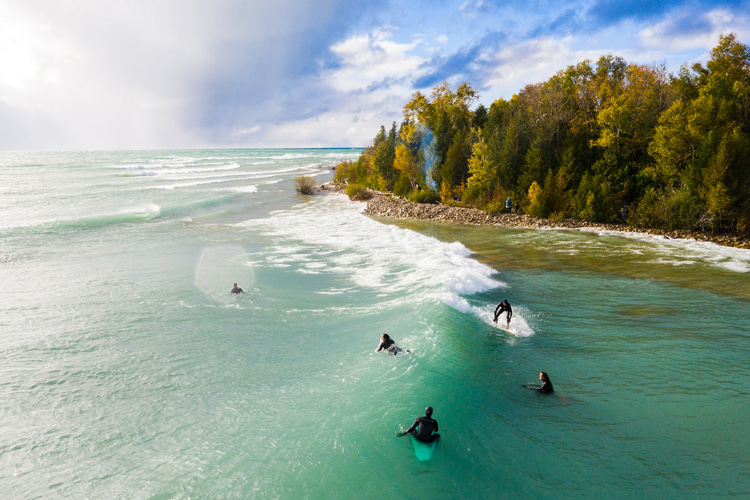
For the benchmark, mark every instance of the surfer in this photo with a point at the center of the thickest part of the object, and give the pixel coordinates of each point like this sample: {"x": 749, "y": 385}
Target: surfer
{"x": 501, "y": 308}
{"x": 389, "y": 345}
{"x": 545, "y": 387}
{"x": 237, "y": 290}
{"x": 424, "y": 427}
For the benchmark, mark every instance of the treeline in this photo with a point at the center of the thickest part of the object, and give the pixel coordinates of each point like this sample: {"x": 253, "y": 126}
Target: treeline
{"x": 674, "y": 149}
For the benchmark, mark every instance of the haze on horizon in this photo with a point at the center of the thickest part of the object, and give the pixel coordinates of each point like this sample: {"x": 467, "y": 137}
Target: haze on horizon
{"x": 80, "y": 75}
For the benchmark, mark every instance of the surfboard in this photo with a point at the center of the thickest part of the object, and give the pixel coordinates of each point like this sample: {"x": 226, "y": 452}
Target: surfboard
{"x": 423, "y": 451}
{"x": 508, "y": 329}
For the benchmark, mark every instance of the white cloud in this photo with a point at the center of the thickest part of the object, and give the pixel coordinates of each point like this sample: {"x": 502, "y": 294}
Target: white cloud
{"x": 663, "y": 36}
{"x": 532, "y": 62}
{"x": 78, "y": 74}
{"x": 369, "y": 59}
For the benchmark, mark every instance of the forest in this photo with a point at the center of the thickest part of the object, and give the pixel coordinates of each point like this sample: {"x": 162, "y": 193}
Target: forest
{"x": 674, "y": 150}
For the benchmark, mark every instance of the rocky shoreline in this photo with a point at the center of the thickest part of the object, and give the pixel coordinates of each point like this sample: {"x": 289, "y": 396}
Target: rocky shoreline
{"x": 381, "y": 205}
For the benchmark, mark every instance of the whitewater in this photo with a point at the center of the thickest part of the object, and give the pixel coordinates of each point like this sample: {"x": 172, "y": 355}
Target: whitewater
{"x": 130, "y": 371}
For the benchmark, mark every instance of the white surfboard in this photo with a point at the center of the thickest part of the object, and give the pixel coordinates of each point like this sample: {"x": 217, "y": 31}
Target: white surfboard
{"x": 423, "y": 451}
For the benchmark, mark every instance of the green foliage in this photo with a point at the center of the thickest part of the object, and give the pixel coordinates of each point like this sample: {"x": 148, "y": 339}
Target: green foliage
{"x": 680, "y": 210}
{"x": 305, "y": 184}
{"x": 496, "y": 207}
{"x": 557, "y": 217}
{"x": 358, "y": 192}
{"x": 595, "y": 136}
{"x": 345, "y": 172}
{"x": 424, "y": 196}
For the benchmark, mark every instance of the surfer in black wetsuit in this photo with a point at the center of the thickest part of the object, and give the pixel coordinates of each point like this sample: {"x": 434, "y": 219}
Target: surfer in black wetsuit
{"x": 389, "y": 345}
{"x": 501, "y": 308}
{"x": 424, "y": 427}
{"x": 237, "y": 290}
{"x": 545, "y": 387}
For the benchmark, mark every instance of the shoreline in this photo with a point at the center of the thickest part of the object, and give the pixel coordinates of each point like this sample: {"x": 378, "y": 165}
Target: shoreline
{"x": 381, "y": 205}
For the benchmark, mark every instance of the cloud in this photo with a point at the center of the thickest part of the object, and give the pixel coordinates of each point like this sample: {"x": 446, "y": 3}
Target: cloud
{"x": 367, "y": 59}
{"x": 189, "y": 73}
{"x": 475, "y": 8}
{"x": 695, "y": 30}
{"x": 467, "y": 64}
{"x": 155, "y": 74}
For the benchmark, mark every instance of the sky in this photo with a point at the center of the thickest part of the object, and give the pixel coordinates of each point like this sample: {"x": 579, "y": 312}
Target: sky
{"x": 164, "y": 74}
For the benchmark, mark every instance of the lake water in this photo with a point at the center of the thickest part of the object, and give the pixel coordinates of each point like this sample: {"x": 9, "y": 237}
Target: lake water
{"x": 129, "y": 370}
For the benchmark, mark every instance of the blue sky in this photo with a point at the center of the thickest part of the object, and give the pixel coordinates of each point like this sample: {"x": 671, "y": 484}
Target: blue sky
{"x": 149, "y": 74}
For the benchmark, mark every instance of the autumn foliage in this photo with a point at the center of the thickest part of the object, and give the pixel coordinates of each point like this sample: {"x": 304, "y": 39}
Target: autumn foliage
{"x": 675, "y": 149}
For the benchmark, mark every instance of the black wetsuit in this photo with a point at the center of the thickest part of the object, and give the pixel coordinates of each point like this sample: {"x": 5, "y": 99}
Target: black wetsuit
{"x": 545, "y": 388}
{"x": 501, "y": 308}
{"x": 237, "y": 290}
{"x": 389, "y": 345}
{"x": 424, "y": 427}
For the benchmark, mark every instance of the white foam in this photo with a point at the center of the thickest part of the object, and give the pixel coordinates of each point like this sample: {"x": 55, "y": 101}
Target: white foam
{"x": 387, "y": 258}
{"x": 690, "y": 251}
{"x": 151, "y": 210}
{"x": 244, "y": 189}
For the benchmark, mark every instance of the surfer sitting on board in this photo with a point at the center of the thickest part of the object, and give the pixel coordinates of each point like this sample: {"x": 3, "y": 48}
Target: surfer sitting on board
{"x": 545, "y": 388}
{"x": 389, "y": 345}
{"x": 237, "y": 290}
{"x": 424, "y": 427}
{"x": 501, "y": 308}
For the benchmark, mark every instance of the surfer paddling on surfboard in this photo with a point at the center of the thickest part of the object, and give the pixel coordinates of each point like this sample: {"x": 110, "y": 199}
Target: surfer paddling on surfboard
{"x": 545, "y": 388}
{"x": 501, "y": 308}
{"x": 388, "y": 345}
{"x": 236, "y": 290}
{"x": 423, "y": 427}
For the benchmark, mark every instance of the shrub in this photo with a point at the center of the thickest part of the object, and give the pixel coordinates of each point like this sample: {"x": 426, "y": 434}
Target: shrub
{"x": 345, "y": 172}
{"x": 305, "y": 184}
{"x": 358, "y": 192}
{"x": 647, "y": 212}
{"x": 681, "y": 210}
{"x": 424, "y": 196}
{"x": 557, "y": 217}
{"x": 496, "y": 207}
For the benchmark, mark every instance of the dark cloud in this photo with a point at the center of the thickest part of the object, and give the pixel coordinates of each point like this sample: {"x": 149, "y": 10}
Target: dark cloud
{"x": 272, "y": 78}
{"x": 693, "y": 24}
{"x": 465, "y": 64}
{"x": 570, "y": 21}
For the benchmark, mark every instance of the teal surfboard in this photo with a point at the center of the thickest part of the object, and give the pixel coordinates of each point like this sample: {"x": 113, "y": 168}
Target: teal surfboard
{"x": 423, "y": 451}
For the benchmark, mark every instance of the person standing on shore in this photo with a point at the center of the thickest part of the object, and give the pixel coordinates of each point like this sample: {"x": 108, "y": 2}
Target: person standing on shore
{"x": 502, "y": 307}
{"x": 516, "y": 208}
{"x": 545, "y": 387}
{"x": 624, "y": 214}
{"x": 424, "y": 427}
{"x": 508, "y": 205}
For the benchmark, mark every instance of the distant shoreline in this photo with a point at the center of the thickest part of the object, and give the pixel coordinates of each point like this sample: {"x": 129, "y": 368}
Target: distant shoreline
{"x": 381, "y": 205}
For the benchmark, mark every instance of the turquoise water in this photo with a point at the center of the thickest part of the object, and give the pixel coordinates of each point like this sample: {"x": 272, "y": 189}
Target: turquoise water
{"x": 129, "y": 371}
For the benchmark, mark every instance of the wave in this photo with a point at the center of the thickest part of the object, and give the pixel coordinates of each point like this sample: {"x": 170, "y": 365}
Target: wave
{"x": 137, "y": 213}
{"x": 188, "y": 182}
{"x": 385, "y": 258}
{"x": 183, "y": 171}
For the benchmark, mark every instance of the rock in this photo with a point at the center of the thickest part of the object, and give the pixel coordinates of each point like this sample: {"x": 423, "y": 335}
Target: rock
{"x": 381, "y": 205}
